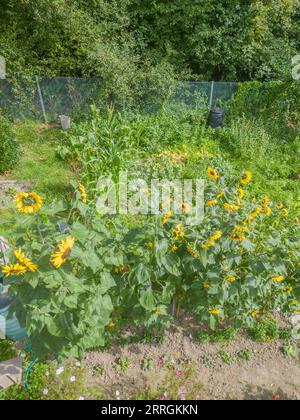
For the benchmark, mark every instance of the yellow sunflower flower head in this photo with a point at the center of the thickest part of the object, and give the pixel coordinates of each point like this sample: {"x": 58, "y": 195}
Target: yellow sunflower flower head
{"x": 213, "y": 174}
{"x": 231, "y": 207}
{"x": 167, "y": 217}
{"x": 217, "y": 235}
{"x": 59, "y": 257}
{"x": 26, "y": 262}
{"x": 212, "y": 203}
{"x": 14, "y": 270}
{"x": 230, "y": 279}
{"x": 214, "y": 311}
{"x": 83, "y": 193}
{"x": 246, "y": 178}
{"x": 28, "y": 203}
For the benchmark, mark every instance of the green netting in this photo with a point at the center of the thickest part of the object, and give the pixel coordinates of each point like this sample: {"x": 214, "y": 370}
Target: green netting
{"x": 48, "y": 98}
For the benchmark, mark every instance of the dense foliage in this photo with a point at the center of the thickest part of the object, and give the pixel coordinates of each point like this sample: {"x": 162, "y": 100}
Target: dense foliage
{"x": 221, "y": 40}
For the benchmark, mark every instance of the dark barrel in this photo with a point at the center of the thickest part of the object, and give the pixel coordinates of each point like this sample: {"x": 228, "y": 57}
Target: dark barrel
{"x": 216, "y": 118}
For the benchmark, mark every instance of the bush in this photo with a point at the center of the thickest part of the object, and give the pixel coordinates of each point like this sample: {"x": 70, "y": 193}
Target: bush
{"x": 9, "y": 148}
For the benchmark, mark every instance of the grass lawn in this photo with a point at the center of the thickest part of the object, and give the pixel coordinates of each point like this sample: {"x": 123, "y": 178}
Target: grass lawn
{"x": 39, "y": 164}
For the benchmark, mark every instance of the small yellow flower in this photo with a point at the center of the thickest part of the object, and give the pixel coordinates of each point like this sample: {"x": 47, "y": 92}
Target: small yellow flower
{"x": 284, "y": 212}
{"x": 174, "y": 248}
{"x": 14, "y": 270}
{"x": 221, "y": 195}
{"x": 59, "y": 257}
{"x": 150, "y": 245}
{"x": 268, "y": 211}
{"x": 185, "y": 208}
{"x": 214, "y": 311}
{"x": 277, "y": 279}
{"x": 122, "y": 269}
{"x": 297, "y": 311}
{"x": 192, "y": 252}
{"x": 241, "y": 194}
{"x": 265, "y": 201}
{"x": 294, "y": 303}
{"x": 158, "y": 311}
{"x": 212, "y": 203}
{"x": 230, "y": 279}
{"x": 28, "y": 203}
{"x": 209, "y": 244}
{"x": 256, "y": 213}
{"x": 241, "y": 229}
{"x": 83, "y": 193}
{"x": 111, "y": 325}
{"x": 166, "y": 217}
{"x": 19, "y": 254}
{"x": 231, "y": 207}
{"x": 213, "y": 174}
{"x": 206, "y": 286}
{"x": 246, "y": 177}
{"x": 237, "y": 237}
{"x": 178, "y": 232}
{"x": 216, "y": 236}
{"x": 280, "y": 206}
{"x": 255, "y": 313}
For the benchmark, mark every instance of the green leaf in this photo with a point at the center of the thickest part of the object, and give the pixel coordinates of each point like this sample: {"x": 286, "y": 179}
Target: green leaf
{"x": 147, "y": 300}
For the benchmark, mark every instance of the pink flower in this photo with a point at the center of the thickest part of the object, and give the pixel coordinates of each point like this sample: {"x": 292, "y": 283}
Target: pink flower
{"x": 179, "y": 373}
{"x": 164, "y": 396}
{"x": 160, "y": 361}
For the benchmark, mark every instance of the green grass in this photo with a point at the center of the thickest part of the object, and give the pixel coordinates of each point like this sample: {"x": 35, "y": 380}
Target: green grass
{"x": 39, "y": 164}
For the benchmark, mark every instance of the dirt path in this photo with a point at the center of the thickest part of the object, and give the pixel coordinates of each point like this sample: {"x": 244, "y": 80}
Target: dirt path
{"x": 217, "y": 371}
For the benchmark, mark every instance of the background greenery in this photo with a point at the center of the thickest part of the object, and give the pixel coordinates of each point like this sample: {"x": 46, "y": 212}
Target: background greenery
{"x": 128, "y": 42}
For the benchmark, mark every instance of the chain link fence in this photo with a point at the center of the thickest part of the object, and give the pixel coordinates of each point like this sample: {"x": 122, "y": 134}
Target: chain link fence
{"x": 45, "y": 99}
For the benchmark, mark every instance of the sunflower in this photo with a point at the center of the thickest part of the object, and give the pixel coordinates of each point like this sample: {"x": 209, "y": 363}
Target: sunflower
{"x": 241, "y": 194}
{"x": 122, "y": 269}
{"x": 174, "y": 248}
{"x": 178, "y": 232}
{"x": 28, "y": 203}
{"x": 209, "y": 244}
{"x": 277, "y": 279}
{"x": 265, "y": 201}
{"x": 246, "y": 177}
{"x": 213, "y": 174}
{"x": 64, "y": 251}
{"x": 212, "y": 203}
{"x": 14, "y": 270}
{"x": 231, "y": 207}
{"x": 214, "y": 311}
{"x": 166, "y": 217}
{"x": 185, "y": 208}
{"x": 216, "y": 236}
{"x": 256, "y": 213}
{"x": 241, "y": 229}
{"x": 83, "y": 193}
{"x": 230, "y": 279}
{"x": 19, "y": 254}
{"x": 268, "y": 211}
{"x": 192, "y": 252}
{"x": 237, "y": 237}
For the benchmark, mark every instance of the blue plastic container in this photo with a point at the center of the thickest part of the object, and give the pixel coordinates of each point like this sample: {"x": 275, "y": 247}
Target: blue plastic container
{"x": 13, "y": 330}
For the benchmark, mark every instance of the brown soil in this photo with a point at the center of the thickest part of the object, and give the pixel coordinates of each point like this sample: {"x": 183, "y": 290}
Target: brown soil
{"x": 267, "y": 375}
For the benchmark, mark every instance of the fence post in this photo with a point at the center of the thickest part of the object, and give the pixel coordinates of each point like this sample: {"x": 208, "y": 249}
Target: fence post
{"x": 41, "y": 99}
{"x": 211, "y": 94}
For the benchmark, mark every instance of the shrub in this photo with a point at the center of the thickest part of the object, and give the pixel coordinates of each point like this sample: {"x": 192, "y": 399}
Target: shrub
{"x": 9, "y": 148}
